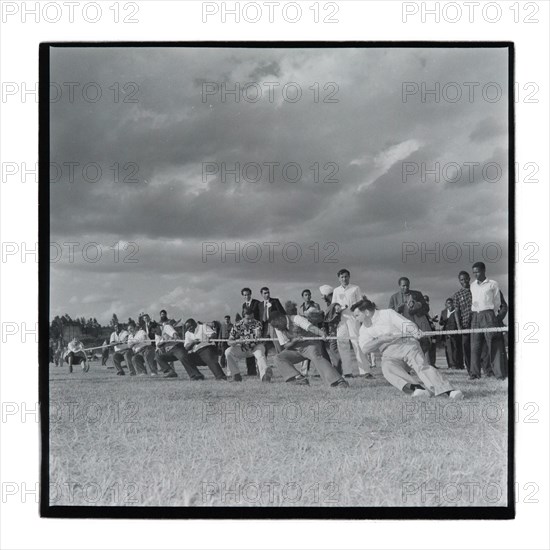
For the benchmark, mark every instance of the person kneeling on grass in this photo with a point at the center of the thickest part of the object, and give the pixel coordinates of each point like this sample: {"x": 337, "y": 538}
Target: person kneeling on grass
{"x": 201, "y": 351}
{"x": 397, "y": 339}
{"x": 291, "y": 331}
{"x": 75, "y": 355}
{"x": 247, "y": 329}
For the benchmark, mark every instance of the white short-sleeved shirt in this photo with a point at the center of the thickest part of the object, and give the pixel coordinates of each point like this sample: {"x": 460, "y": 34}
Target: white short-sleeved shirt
{"x": 387, "y": 321}
{"x": 346, "y": 296}
{"x": 485, "y": 295}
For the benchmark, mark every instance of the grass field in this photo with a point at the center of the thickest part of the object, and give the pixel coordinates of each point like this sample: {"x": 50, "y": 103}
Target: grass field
{"x": 170, "y": 442}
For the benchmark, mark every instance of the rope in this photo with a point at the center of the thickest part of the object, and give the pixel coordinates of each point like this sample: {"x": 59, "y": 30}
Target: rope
{"x": 318, "y": 338}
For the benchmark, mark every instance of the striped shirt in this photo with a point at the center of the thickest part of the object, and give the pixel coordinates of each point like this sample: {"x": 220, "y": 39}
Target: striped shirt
{"x": 463, "y": 303}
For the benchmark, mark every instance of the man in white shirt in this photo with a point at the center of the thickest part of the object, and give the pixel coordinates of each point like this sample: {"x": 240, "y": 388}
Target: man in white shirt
{"x": 346, "y": 295}
{"x": 199, "y": 348}
{"x": 120, "y": 337}
{"x": 75, "y": 355}
{"x": 169, "y": 351}
{"x": 397, "y": 339}
{"x": 485, "y": 307}
{"x": 142, "y": 351}
{"x": 292, "y": 332}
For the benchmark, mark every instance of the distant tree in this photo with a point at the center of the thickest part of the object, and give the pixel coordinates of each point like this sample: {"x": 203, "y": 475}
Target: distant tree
{"x": 114, "y": 320}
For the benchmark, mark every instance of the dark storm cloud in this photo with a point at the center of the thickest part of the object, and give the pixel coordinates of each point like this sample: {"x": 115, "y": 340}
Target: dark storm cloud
{"x": 368, "y": 209}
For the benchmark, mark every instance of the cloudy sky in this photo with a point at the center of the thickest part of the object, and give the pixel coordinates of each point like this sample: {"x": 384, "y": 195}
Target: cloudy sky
{"x": 154, "y": 213}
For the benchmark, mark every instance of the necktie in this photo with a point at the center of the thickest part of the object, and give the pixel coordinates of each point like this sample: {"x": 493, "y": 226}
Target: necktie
{"x": 265, "y": 310}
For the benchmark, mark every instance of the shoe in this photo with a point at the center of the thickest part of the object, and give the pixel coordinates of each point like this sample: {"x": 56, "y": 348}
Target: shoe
{"x": 171, "y": 374}
{"x": 197, "y": 378}
{"x": 490, "y": 375}
{"x": 299, "y": 380}
{"x": 456, "y": 394}
{"x": 340, "y": 384}
{"x": 154, "y": 374}
{"x": 120, "y": 373}
{"x": 348, "y": 376}
{"x": 222, "y": 378}
{"x": 420, "y": 393}
{"x": 268, "y": 375}
{"x": 237, "y": 378}
{"x": 367, "y": 375}
{"x": 473, "y": 377}
{"x": 142, "y": 374}
{"x": 132, "y": 374}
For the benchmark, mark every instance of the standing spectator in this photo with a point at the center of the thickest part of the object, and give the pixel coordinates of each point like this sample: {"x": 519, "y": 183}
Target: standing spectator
{"x": 485, "y": 307}
{"x": 267, "y": 306}
{"x": 331, "y": 322}
{"x": 254, "y": 304}
{"x": 308, "y": 302}
{"x": 433, "y": 339}
{"x": 453, "y": 342}
{"x": 462, "y": 301}
{"x": 411, "y": 304}
{"x": 485, "y": 359}
{"x": 348, "y": 329}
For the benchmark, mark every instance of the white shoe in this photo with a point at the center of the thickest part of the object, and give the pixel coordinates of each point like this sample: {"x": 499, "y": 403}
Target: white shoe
{"x": 154, "y": 374}
{"x": 421, "y": 393}
{"x": 456, "y": 394}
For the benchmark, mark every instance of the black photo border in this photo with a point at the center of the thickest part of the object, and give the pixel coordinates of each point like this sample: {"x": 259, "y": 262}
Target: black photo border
{"x": 241, "y": 512}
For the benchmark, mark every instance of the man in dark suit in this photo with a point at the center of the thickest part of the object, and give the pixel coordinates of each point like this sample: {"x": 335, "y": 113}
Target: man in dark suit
{"x": 453, "y": 342}
{"x": 252, "y": 303}
{"x": 266, "y": 306}
{"x": 411, "y": 304}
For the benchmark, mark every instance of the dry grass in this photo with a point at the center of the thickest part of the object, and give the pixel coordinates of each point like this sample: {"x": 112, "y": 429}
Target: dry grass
{"x": 169, "y": 442}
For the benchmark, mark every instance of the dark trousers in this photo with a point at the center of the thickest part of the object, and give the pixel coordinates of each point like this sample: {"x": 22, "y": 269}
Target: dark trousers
{"x": 453, "y": 351}
{"x": 432, "y": 352}
{"x": 146, "y": 356}
{"x": 251, "y": 365}
{"x": 312, "y": 350}
{"x": 178, "y": 353}
{"x": 104, "y": 357}
{"x": 120, "y": 356}
{"x": 466, "y": 350}
{"x": 208, "y": 356}
{"x": 331, "y": 348}
{"x": 494, "y": 342}
{"x": 222, "y": 347}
